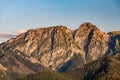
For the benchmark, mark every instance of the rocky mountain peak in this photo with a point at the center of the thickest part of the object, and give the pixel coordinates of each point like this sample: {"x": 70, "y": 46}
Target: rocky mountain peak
{"x": 88, "y": 25}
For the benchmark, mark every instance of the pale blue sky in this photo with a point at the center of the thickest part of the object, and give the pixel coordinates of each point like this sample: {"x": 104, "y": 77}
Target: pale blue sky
{"x": 27, "y": 14}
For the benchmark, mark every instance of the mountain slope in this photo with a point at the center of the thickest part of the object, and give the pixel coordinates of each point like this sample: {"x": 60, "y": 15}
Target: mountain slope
{"x": 14, "y": 66}
{"x": 107, "y": 68}
{"x": 47, "y": 75}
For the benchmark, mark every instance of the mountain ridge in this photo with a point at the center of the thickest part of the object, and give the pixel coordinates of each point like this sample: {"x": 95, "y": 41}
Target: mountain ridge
{"x": 74, "y": 36}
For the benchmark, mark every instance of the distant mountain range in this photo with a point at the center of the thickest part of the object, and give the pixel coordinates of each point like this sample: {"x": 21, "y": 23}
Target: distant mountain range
{"x": 59, "y": 53}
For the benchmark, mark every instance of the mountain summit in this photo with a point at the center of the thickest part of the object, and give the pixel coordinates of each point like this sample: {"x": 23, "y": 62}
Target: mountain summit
{"x": 59, "y": 48}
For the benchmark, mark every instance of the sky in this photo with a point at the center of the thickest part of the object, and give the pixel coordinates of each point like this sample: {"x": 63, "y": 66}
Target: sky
{"x": 17, "y": 16}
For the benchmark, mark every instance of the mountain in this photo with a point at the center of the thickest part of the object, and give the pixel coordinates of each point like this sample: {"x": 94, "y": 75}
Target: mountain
{"x": 57, "y": 48}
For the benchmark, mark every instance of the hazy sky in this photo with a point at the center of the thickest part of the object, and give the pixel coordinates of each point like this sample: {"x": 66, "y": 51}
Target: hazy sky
{"x": 17, "y": 15}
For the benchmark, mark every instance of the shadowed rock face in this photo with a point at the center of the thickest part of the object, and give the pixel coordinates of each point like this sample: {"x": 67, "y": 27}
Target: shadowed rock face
{"x": 60, "y": 48}
{"x": 114, "y": 43}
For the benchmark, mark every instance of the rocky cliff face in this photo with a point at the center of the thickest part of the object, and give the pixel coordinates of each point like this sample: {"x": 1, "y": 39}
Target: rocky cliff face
{"x": 114, "y": 42}
{"x": 60, "y": 48}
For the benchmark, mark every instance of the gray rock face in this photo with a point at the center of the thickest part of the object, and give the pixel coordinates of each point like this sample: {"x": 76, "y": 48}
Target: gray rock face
{"x": 60, "y": 48}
